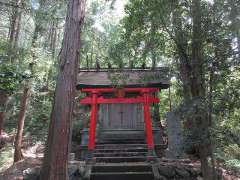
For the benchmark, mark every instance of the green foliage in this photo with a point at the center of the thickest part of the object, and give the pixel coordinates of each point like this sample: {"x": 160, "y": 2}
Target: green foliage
{"x": 47, "y": 21}
{"x": 100, "y": 34}
{"x": 230, "y": 157}
{"x": 233, "y": 164}
{"x": 6, "y": 155}
{"x": 38, "y": 116}
{"x": 11, "y": 75}
{"x": 8, "y": 78}
{"x": 232, "y": 151}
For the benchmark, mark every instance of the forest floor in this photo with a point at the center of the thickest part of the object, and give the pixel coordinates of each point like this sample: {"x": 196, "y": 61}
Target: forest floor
{"x": 33, "y": 156}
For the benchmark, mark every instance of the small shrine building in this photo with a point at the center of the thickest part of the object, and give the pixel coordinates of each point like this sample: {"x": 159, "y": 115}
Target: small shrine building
{"x": 120, "y": 101}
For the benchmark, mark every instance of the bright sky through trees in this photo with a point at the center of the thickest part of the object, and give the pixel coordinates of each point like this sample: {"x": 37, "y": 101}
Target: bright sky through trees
{"x": 112, "y": 12}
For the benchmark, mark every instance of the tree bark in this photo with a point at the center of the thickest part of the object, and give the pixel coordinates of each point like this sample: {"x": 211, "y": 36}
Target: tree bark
{"x": 197, "y": 83}
{"x": 153, "y": 60}
{"x": 198, "y": 90}
{"x": 21, "y": 119}
{"x": 57, "y": 147}
{"x": 192, "y": 76}
{"x": 54, "y": 40}
{"x": 3, "y": 102}
{"x": 210, "y": 95}
{"x": 53, "y": 37}
{"x": 1, "y": 122}
{"x": 14, "y": 30}
{"x": 170, "y": 99}
{"x": 181, "y": 45}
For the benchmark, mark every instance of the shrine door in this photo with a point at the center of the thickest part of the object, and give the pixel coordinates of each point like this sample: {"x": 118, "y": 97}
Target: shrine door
{"x": 121, "y": 116}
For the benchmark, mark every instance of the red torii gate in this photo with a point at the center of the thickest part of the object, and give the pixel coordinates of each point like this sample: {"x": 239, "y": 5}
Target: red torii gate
{"x": 95, "y": 98}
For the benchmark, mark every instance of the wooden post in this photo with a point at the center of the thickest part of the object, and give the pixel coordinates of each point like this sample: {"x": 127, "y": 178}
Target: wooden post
{"x": 93, "y": 122}
{"x": 148, "y": 124}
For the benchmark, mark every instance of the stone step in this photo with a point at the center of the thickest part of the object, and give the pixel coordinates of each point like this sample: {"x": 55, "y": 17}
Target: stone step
{"x": 123, "y": 134}
{"x": 110, "y": 150}
{"x": 122, "y": 176}
{"x": 122, "y": 167}
{"x": 121, "y": 159}
{"x": 116, "y": 146}
{"x": 125, "y": 137}
{"x": 121, "y": 141}
{"x": 120, "y": 145}
{"x": 119, "y": 153}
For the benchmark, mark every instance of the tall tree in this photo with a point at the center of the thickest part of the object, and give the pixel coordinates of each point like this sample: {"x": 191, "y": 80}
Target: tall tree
{"x": 27, "y": 88}
{"x": 186, "y": 32}
{"x": 14, "y": 29}
{"x": 180, "y": 39}
{"x": 198, "y": 88}
{"x": 21, "y": 119}
{"x": 192, "y": 72}
{"x": 57, "y": 148}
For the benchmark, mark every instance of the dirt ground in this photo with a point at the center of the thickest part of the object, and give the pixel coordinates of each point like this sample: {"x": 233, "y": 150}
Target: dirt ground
{"x": 33, "y": 155}
{"x": 15, "y": 172}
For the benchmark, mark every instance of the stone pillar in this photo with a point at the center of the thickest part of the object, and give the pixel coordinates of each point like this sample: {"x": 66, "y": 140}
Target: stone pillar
{"x": 175, "y": 136}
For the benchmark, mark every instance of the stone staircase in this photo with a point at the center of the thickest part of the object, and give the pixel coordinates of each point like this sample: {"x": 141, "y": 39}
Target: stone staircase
{"x": 122, "y": 171}
{"x": 121, "y": 157}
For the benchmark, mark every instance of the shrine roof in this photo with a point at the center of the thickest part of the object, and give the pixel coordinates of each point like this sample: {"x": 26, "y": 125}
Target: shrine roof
{"x": 104, "y": 78}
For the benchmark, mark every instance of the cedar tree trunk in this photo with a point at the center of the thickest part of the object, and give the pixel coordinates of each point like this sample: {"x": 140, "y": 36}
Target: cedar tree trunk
{"x": 24, "y": 102}
{"x": 21, "y": 118}
{"x": 14, "y": 30}
{"x": 57, "y": 148}
{"x": 3, "y": 101}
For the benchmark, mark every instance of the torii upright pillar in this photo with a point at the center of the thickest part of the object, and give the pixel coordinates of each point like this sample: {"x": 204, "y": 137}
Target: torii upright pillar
{"x": 93, "y": 123}
{"x": 148, "y": 123}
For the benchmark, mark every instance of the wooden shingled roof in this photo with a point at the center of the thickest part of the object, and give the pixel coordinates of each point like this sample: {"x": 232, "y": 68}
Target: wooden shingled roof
{"x": 92, "y": 78}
